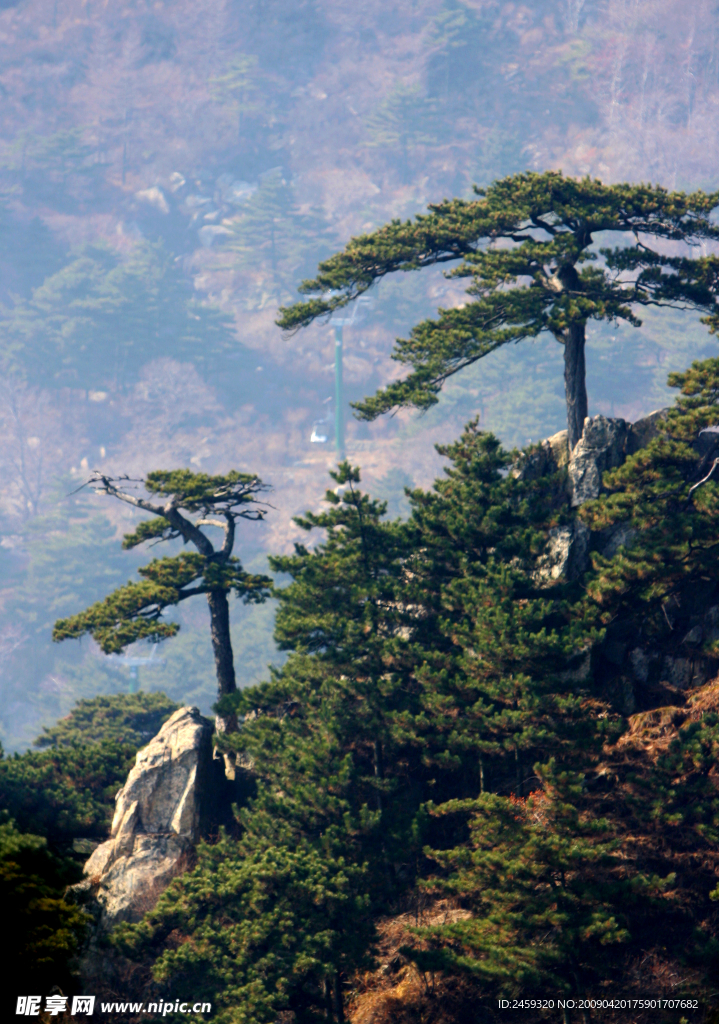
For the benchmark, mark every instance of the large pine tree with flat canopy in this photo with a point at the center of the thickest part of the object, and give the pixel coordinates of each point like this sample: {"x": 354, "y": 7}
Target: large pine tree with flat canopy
{"x": 542, "y": 252}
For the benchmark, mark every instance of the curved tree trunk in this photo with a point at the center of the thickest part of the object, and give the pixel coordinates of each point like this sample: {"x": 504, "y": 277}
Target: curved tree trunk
{"x": 575, "y": 381}
{"x": 222, "y": 648}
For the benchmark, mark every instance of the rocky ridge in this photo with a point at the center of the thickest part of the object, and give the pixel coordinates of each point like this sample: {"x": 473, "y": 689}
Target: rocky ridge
{"x": 605, "y": 444}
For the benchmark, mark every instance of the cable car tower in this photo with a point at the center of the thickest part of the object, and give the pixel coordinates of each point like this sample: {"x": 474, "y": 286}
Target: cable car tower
{"x": 361, "y": 306}
{"x": 133, "y": 663}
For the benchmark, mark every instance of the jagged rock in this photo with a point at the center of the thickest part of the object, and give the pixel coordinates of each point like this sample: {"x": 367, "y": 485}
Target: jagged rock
{"x": 643, "y": 431}
{"x": 159, "y": 815}
{"x": 684, "y": 673}
{"x": 605, "y": 444}
{"x": 155, "y": 197}
{"x": 210, "y": 232}
{"x": 545, "y": 458}
{"x": 619, "y": 536}
{"x": 706, "y": 442}
{"x": 567, "y": 554}
{"x": 694, "y": 637}
{"x": 601, "y": 447}
{"x": 579, "y": 668}
{"x": 559, "y": 446}
{"x": 711, "y": 624}
{"x": 640, "y": 664}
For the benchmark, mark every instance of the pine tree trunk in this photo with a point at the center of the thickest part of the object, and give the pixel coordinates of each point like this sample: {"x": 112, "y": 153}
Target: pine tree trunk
{"x": 378, "y": 770}
{"x": 339, "y": 1000}
{"x": 222, "y": 648}
{"x": 575, "y": 381}
{"x": 329, "y": 1014}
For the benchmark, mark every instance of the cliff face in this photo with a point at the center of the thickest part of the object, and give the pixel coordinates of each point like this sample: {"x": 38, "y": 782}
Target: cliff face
{"x": 633, "y": 675}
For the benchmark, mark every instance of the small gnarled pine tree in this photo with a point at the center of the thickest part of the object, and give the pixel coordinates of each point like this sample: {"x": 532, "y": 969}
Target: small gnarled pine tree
{"x": 185, "y": 505}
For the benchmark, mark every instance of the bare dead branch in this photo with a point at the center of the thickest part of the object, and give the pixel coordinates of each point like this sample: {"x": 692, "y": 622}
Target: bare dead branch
{"x": 708, "y": 477}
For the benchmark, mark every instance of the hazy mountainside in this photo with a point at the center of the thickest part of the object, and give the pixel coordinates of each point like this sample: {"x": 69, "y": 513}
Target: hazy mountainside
{"x": 170, "y": 172}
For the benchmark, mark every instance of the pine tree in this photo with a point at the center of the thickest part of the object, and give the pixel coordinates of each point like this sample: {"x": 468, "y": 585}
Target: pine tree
{"x": 66, "y": 792}
{"x": 273, "y": 235}
{"x": 321, "y": 734}
{"x": 406, "y": 645}
{"x": 546, "y": 898}
{"x": 403, "y": 121}
{"x": 127, "y": 718}
{"x": 499, "y": 634}
{"x": 283, "y": 918}
{"x": 236, "y": 88}
{"x": 460, "y": 53}
{"x": 274, "y": 927}
{"x": 134, "y": 612}
{"x": 46, "y": 929}
{"x": 528, "y": 245}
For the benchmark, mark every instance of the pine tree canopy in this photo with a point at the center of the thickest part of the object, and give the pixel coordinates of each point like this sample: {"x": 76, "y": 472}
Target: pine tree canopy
{"x": 440, "y": 726}
{"x": 66, "y": 793}
{"x": 127, "y": 718}
{"x": 542, "y": 252}
{"x": 46, "y": 930}
{"x": 540, "y": 879}
{"x": 96, "y": 322}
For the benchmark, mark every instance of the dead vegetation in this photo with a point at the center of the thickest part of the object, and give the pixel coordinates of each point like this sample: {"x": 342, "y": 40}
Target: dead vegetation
{"x": 396, "y": 992}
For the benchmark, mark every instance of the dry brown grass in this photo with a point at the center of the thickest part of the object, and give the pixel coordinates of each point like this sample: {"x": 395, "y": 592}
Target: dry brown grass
{"x": 653, "y": 731}
{"x": 397, "y": 991}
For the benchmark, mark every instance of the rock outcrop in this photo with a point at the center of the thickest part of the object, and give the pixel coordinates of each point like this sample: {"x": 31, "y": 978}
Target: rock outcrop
{"x": 567, "y": 551}
{"x": 160, "y": 813}
{"x": 605, "y": 444}
{"x": 602, "y": 446}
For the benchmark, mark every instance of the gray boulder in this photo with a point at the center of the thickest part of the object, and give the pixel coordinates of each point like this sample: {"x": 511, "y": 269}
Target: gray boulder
{"x": 157, "y": 822}
{"x": 567, "y": 554}
{"x": 601, "y": 447}
{"x": 643, "y": 431}
{"x": 545, "y": 458}
{"x": 611, "y": 540}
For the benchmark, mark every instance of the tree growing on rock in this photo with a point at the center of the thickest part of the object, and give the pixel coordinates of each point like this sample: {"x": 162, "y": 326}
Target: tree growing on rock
{"x": 665, "y": 499}
{"x": 186, "y": 504}
{"x": 529, "y": 245}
